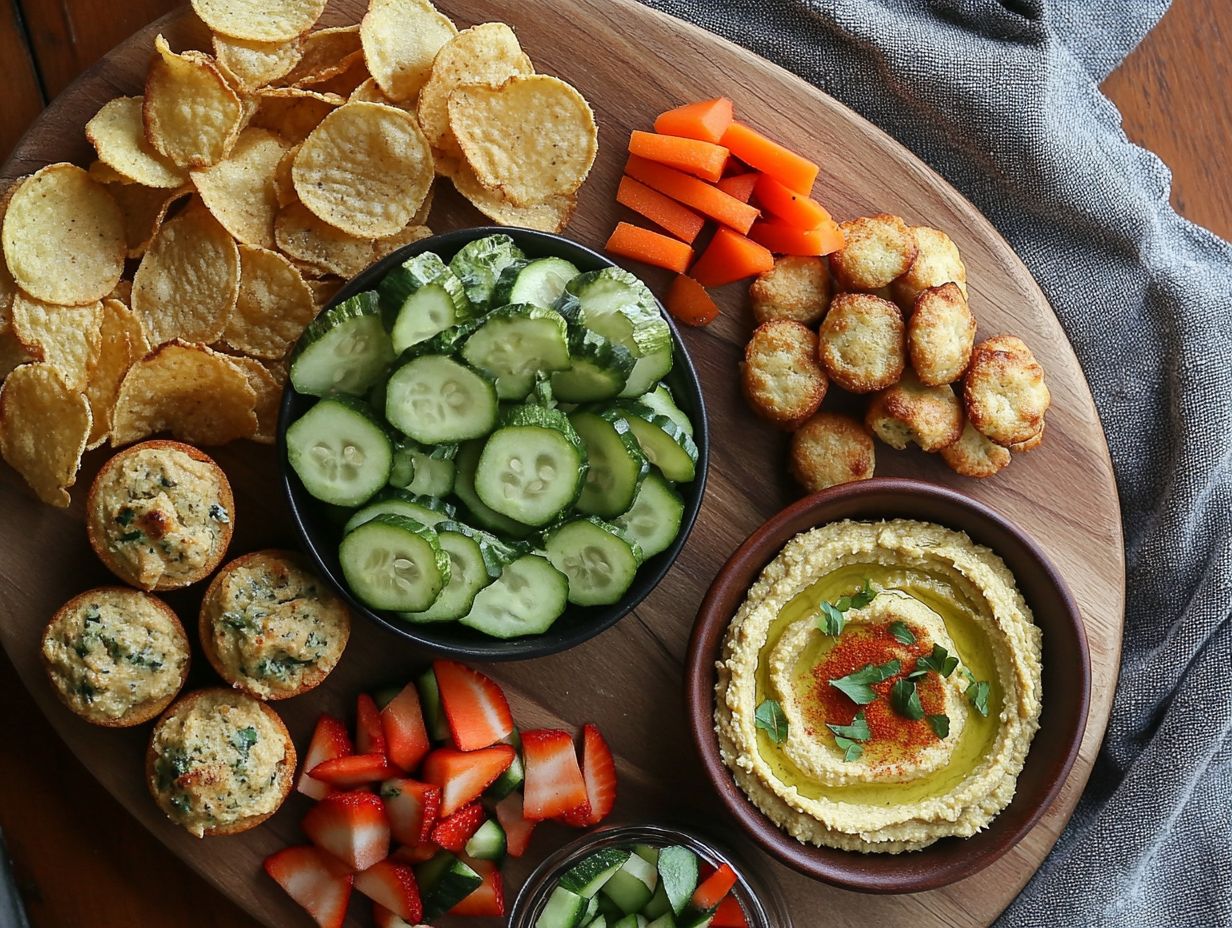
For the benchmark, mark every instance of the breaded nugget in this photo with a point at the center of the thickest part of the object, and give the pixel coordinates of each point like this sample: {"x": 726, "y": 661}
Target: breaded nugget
{"x": 1004, "y": 392}
{"x": 877, "y": 250}
{"x": 861, "y": 342}
{"x": 782, "y": 377}
{"x": 796, "y": 288}
{"x": 973, "y": 455}
{"x": 940, "y": 334}
{"x": 937, "y": 261}
{"x": 830, "y": 449}
{"x": 1030, "y": 444}
{"x": 911, "y": 412}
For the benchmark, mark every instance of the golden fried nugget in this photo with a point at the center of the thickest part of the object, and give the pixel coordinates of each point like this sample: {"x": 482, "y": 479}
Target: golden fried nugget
{"x": 876, "y": 250}
{"x": 830, "y": 449}
{"x": 937, "y": 262}
{"x": 796, "y": 288}
{"x": 940, "y": 334}
{"x": 911, "y": 412}
{"x": 1004, "y": 392}
{"x": 782, "y": 378}
{"x": 973, "y": 455}
{"x": 861, "y": 342}
{"x": 1020, "y": 447}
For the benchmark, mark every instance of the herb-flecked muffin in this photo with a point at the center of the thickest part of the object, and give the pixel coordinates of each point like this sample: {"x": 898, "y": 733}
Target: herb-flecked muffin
{"x": 115, "y": 656}
{"x": 271, "y": 627}
{"x": 160, "y": 515}
{"x": 219, "y": 762}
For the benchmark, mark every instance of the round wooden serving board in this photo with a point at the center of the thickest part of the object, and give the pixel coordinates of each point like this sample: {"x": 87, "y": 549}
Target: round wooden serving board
{"x": 631, "y": 63}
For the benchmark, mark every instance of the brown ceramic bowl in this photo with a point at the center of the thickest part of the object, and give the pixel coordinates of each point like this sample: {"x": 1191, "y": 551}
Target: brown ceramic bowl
{"x": 1066, "y": 683}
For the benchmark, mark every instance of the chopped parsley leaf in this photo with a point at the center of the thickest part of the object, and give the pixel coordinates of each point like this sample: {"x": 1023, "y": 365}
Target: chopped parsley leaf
{"x": 857, "y": 686}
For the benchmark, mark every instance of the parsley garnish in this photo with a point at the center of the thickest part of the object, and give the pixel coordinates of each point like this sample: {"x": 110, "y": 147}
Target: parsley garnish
{"x": 831, "y": 619}
{"x": 852, "y": 750}
{"x": 846, "y": 736}
{"x": 218, "y": 513}
{"x": 905, "y": 699}
{"x": 858, "y": 686}
{"x": 769, "y": 718}
{"x": 940, "y": 725}
{"x": 939, "y": 661}
{"x": 902, "y": 634}
{"x": 243, "y": 739}
{"x": 131, "y": 536}
{"x": 125, "y": 516}
{"x": 977, "y": 692}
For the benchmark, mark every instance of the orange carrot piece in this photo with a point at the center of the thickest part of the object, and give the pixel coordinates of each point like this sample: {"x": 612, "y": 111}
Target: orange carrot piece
{"x": 705, "y": 120}
{"x": 730, "y": 256}
{"x": 759, "y": 152}
{"x": 740, "y": 186}
{"x": 688, "y": 302}
{"x": 706, "y": 198}
{"x": 663, "y": 211}
{"x": 793, "y": 208}
{"x": 704, "y": 159}
{"x": 784, "y": 239}
{"x": 649, "y": 247}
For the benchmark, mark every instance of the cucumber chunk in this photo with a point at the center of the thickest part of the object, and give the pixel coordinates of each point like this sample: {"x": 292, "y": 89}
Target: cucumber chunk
{"x": 636, "y": 920}
{"x": 339, "y": 450}
{"x": 653, "y": 521}
{"x": 425, "y": 297}
{"x": 678, "y": 875}
{"x": 632, "y": 885}
{"x": 598, "y": 368}
{"x": 444, "y": 881}
{"x": 514, "y": 775}
{"x": 468, "y": 574}
{"x": 617, "y": 465}
{"x": 532, "y": 467}
{"x": 394, "y": 563}
{"x": 488, "y": 842}
{"x": 588, "y": 875}
{"x": 562, "y": 910}
{"x": 666, "y": 920}
{"x": 540, "y": 281}
{"x": 424, "y": 471}
{"x": 659, "y": 904}
{"x": 527, "y": 598}
{"x": 599, "y": 564}
{"x": 437, "y": 400}
{"x": 515, "y": 344}
{"x": 430, "y": 702}
{"x": 660, "y": 400}
{"x": 664, "y": 443}
{"x": 479, "y": 265}
{"x": 343, "y": 350}
{"x": 464, "y": 489}
{"x": 426, "y": 510}
{"x": 647, "y": 369}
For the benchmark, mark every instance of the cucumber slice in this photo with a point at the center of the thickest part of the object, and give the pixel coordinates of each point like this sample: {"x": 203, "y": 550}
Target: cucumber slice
{"x": 617, "y": 464}
{"x": 430, "y": 702}
{"x": 653, "y": 521}
{"x": 488, "y": 842}
{"x": 447, "y": 342}
{"x": 394, "y": 563}
{"x": 562, "y": 910}
{"x": 665, "y": 444}
{"x": 437, "y": 400}
{"x": 647, "y": 369}
{"x": 532, "y": 468}
{"x": 609, "y": 910}
{"x": 660, "y": 400}
{"x": 468, "y": 574}
{"x": 444, "y": 881}
{"x": 636, "y": 920}
{"x": 648, "y": 853}
{"x": 598, "y": 370}
{"x": 426, "y": 510}
{"x": 659, "y": 904}
{"x": 343, "y": 350}
{"x": 592, "y": 910}
{"x": 422, "y": 470}
{"x": 479, "y": 265}
{"x": 599, "y": 921}
{"x": 425, "y": 297}
{"x": 599, "y": 563}
{"x": 340, "y": 450}
{"x": 588, "y": 875}
{"x": 540, "y": 282}
{"x": 514, "y": 775}
{"x": 527, "y": 598}
{"x": 632, "y": 885}
{"x": 464, "y": 489}
{"x": 678, "y": 875}
{"x": 666, "y": 920}
{"x": 619, "y": 307}
{"x": 514, "y": 344}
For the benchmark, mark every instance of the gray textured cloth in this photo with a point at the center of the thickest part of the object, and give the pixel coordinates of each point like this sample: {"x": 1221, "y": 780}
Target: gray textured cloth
{"x": 1003, "y": 100}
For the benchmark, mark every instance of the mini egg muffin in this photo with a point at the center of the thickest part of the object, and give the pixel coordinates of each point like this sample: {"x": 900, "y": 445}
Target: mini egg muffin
{"x": 910, "y": 411}
{"x": 876, "y": 250}
{"x": 115, "y": 656}
{"x": 973, "y": 455}
{"x": 782, "y": 377}
{"x": 271, "y": 627}
{"x": 796, "y": 288}
{"x": 830, "y": 449}
{"x": 1004, "y": 391}
{"x": 861, "y": 343}
{"x": 219, "y": 762}
{"x": 936, "y": 262}
{"x": 160, "y": 515}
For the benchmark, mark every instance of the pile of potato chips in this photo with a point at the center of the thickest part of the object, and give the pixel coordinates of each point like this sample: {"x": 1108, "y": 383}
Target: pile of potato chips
{"x": 161, "y": 289}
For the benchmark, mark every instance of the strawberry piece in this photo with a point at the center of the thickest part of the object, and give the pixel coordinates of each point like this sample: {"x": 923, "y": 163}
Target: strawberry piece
{"x": 383, "y": 918}
{"x": 453, "y": 832}
{"x": 599, "y": 774}
{"x": 369, "y": 732}
{"x": 464, "y": 775}
{"x": 415, "y": 853}
{"x": 392, "y": 886}
{"x": 314, "y": 881}
{"x": 475, "y": 707}
{"x": 411, "y": 808}
{"x": 710, "y": 891}
{"x": 554, "y": 783}
{"x": 329, "y": 740}
{"x": 353, "y": 770}
{"x": 489, "y": 898}
{"x": 518, "y": 828}
{"x": 729, "y": 914}
{"x": 406, "y": 736}
{"x": 351, "y": 826}
{"x": 576, "y": 818}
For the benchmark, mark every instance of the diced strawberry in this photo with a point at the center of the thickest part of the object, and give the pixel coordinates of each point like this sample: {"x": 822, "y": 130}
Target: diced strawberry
{"x": 314, "y": 881}
{"x": 353, "y": 770}
{"x": 475, "y": 707}
{"x": 369, "y": 733}
{"x": 453, "y": 832}
{"x": 392, "y": 886}
{"x": 710, "y": 891}
{"x": 489, "y": 898}
{"x": 415, "y": 853}
{"x": 599, "y": 774}
{"x": 554, "y": 783}
{"x": 411, "y": 807}
{"x": 329, "y": 740}
{"x": 351, "y": 826}
{"x": 383, "y": 918}
{"x": 406, "y": 736}
{"x": 729, "y": 914}
{"x": 518, "y": 828}
{"x": 464, "y": 775}
{"x": 576, "y": 818}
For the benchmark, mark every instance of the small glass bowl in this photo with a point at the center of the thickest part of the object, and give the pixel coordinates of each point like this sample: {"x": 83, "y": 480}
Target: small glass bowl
{"x": 756, "y": 891}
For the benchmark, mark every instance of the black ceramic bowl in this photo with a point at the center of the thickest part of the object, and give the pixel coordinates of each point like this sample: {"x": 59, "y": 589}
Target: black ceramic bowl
{"x": 319, "y": 528}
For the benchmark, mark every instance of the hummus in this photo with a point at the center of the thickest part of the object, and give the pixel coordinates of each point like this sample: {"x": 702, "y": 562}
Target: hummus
{"x": 933, "y": 682}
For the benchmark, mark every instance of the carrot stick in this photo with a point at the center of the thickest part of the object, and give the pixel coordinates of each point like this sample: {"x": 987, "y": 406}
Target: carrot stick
{"x": 757, "y": 151}
{"x": 704, "y": 159}
{"x": 705, "y": 120}
{"x": 740, "y": 186}
{"x": 649, "y": 247}
{"x": 784, "y": 239}
{"x": 663, "y": 211}
{"x": 688, "y": 301}
{"x": 703, "y": 197}
{"x": 793, "y": 208}
{"x": 730, "y": 256}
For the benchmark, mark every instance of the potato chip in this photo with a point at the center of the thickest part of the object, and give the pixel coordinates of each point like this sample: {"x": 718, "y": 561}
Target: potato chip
{"x": 293, "y": 112}
{"x": 118, "y": 135}
{"x": 106, "y": 174}
{"x": 249, "y": 65}
{"x": 192, "y": 116}
{"x": 284, "y": 188}
{"x": 260, "y": 20}
{"x": 194, "y": 393}
{"x": 327, "y": 53}
{"x": 552, "y": 215}
{"x": 64, "y": 236}
{"x": 345, "y": 81}
{"x": 485, "y": 54}
{"x": 365, "y": 169}
{"x": 43, "y": 429}
{"x": 400, "y": 39}
{"x": 144, "y": 209}
{"x": 121, "y": 343}
{"x": 532, "y": 137}
{"x": 123, "y": 292}
{"x": 239, "y": 190}
{"x": 13, "y": 353}
{"x": 273, "y": 308}
{"x": 269, "y": 397}
{"x": 327, "y": 250}
{"x": 65, "y": 337}
{"x": 186, "y": 284}
{"x": 323, "y": 290}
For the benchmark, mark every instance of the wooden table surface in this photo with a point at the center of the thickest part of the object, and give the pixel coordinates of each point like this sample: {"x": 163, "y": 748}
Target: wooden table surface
{"x": 79, "y": 859}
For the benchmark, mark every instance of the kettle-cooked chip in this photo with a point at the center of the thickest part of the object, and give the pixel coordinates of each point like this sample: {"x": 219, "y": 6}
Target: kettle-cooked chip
{"x": 13, "y": 353}
{"x": 552, "y": 215}
{"x": 251, "y": 64}
{"x": 239, "y": 190}
{"x": 144, "y": 209}
{"x": 118, "y": 135}
{"x": 43, "y": 429}
{"x": 293, "y": 112}
{"x": 273, "y": 307}
{"x": 121, "y": 343}
{"x": 192, "y": 115}
{"x": 66, "y": 338}
{"x": 260, "y": 20}
{"x": 269, "y": 397}
{"x": 400, "y": 40}
{"x": 327, "y": 250}
{"x": 327, "y": 53}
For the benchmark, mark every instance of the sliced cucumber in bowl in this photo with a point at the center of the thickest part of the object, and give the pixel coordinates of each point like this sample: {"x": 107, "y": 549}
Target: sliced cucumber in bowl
{"x": 425, "y": 298}
{"x": 517, "y": 343}
{"x": 540, "y": 281}
{"x": 436, "y": 399}
{"x": 344, "y": 350}
{"x": 598, "y": 562}
{"x": 616, "y": 462}
{"x": 424, "y": 509}
{"x": 340, "y": 451}
{"x": 527, "y": 598}
{"x": 394, "y": 563}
